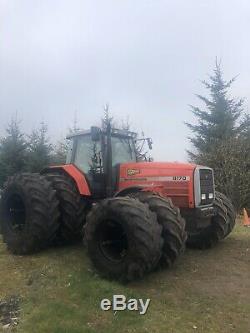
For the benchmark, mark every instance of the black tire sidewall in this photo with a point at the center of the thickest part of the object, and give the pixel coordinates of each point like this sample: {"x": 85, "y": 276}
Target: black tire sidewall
{"x": 212, "y": 234}
{"x": 7, "y": 230}
{"x": 144, "y": 241}
{"x": 101, "y": 261}
{"x": 41, "y": 213}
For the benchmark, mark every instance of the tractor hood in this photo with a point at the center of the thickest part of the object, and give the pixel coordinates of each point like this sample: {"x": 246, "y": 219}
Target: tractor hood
{"x": 156, "y": 169}
{"x": 171, "y": 179}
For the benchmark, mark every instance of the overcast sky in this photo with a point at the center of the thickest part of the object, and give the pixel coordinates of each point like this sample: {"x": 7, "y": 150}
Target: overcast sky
{"x": 145, "y": 57}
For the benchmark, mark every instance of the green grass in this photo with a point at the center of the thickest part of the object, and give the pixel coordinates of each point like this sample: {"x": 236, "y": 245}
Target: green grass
{"x": 206, "y": 291}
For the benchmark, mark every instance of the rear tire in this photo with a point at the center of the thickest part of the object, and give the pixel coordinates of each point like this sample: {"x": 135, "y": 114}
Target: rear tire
{"x": 123, "y": 238}
{"x": 72, "y": 208}
{"x": 29, "y": 213}
{"x": 212, "y": 234}
{"x": 173, "y": 225}
{"x": 231, "y": 213}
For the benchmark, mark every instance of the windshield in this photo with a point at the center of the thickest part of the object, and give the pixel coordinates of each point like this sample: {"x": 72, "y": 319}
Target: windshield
{"x": 122, "y": 150}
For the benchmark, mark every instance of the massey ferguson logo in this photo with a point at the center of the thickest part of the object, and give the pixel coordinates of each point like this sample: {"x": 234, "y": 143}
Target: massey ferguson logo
{"x": 132, "y": 172}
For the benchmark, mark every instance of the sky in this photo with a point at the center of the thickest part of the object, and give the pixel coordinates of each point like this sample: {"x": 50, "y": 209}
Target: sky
{"x": 61, "y": 60}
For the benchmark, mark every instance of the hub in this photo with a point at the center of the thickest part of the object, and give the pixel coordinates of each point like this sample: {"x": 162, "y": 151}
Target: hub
{"x": 113, "y": 241}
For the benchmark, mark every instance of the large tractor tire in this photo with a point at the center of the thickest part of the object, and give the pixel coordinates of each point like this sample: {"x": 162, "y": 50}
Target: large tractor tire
{"x": 72, "y": 208}
{"x": 173, "y": 225}
{"x": 123, "y": 238}
{"x": 231, "y": 213}
{"x": 29, "y": 213}
{"x": 209, "y": 236}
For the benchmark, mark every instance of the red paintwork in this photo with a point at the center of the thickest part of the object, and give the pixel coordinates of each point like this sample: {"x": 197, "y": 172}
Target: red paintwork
{"x": 181, "y": 192}
{"x": 147, "y": 176}
{"x": 77, "y": 175}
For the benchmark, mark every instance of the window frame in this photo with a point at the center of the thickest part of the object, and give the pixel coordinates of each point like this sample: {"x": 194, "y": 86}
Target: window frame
{"x": 77, "y": 138}
{"x": 132, "y": 147}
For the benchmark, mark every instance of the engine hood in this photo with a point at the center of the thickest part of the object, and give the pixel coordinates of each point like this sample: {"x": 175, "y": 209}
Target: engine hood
{"x": 174, "y": 179}
{"x": 156, "y": 168}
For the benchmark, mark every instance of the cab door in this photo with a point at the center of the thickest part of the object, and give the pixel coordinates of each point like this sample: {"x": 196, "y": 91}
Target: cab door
{"x": 87, "y": 156}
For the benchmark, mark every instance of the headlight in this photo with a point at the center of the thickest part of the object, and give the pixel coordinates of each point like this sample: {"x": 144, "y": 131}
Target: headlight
{"x": 210, "y": 195}
{"x": 203, "y": 196}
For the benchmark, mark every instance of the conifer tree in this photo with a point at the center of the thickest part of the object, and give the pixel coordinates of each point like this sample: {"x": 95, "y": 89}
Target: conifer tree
{"x": 40, "y": 149}
{"x": 13, "y": 151}
{"x": 221, "y": 139}
{"x": 60, "y": 152}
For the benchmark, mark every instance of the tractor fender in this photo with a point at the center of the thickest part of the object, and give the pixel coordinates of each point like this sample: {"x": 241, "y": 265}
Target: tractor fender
{"x": 73, "y": 172}
{"x": 133, "y": 189}
{"x": 128, "y": 190}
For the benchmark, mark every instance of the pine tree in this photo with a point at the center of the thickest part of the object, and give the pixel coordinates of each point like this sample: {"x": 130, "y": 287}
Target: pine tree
{"x": 60, "y": 152}
{"x": 40, "y": 149}
{"x": 222, "y": 139}
{"x": 74, "y": 128}
{"x": 13, "y": 151}
{"x": 140, "y": 146}
{"x": 107, "y": 118}
{"x": 60, "y": 149}
{"x": 220, "y": 120}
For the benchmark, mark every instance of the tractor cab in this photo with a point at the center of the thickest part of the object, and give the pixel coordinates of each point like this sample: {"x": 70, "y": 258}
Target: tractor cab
{"x": 98, "y": 154}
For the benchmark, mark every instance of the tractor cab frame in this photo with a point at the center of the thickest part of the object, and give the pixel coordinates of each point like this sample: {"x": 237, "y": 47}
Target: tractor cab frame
{"x": 98, "y": 153}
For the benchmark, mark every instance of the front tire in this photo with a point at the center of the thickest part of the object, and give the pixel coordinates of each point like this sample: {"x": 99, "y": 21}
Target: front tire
{"x": 29, "y": 213}
{"x": 173, "y": 225}
{"x": 209, "y": 236}
{"x": 123, "y": 238}
{"x": 231, "y": 213}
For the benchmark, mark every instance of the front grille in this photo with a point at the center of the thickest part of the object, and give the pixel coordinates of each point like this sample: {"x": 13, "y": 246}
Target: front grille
{"x": 206, "y": 186}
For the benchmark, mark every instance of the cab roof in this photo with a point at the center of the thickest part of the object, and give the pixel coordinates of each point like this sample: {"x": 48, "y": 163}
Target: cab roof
{"x": 115, "y": 132}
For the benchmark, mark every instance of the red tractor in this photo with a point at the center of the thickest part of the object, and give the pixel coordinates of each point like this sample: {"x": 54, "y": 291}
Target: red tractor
{"x": 134, "y": 216}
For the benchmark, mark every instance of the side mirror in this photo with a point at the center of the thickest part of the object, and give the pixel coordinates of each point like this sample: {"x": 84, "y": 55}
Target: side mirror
{"x": 150, "y": 143}
{"x": 95, "y": 133}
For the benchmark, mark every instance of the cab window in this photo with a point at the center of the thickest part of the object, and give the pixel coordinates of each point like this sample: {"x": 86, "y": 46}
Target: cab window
{"x": 122, "y": 150}
{"x": 87, "y": 154}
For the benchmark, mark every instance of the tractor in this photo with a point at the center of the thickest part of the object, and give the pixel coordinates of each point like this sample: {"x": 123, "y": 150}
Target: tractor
{"x": 134, "y": 215}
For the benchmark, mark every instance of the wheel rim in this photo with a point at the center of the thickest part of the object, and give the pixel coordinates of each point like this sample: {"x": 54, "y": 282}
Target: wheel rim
{"x": 113, "y": 242}
{"x": 15, "y": 212}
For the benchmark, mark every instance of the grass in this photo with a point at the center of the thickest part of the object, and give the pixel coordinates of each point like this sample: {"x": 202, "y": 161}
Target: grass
{"x": 206, "y": 291}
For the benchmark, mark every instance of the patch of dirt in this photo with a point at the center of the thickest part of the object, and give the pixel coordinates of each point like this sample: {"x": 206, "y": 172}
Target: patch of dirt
{"x": 9, "y": 311}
